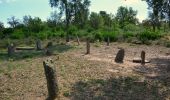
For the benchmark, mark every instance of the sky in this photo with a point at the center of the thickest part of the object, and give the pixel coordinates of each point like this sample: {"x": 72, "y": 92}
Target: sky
{"x": 42, "y": 9}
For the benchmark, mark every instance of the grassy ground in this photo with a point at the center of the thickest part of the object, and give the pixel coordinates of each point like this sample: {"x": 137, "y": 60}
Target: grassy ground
{"x": 87, "y": 77}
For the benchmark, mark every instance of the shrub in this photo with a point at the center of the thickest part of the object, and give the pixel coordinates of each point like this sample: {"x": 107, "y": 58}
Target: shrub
{"x": 72, "y": 29}
{"x": 42, "y": 35}
{"x": 17, "y": 34}
{"x": 112, "y": 35}
{"x": 148, "y": 35}
{"x": 128, "y": 35}
{"x": 131, "y": 28}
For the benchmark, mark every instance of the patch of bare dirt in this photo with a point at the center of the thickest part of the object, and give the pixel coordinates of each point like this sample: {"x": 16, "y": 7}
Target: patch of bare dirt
{"x": 89, "y": 73}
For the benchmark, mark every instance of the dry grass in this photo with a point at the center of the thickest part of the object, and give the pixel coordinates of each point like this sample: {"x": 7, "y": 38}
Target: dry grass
{"x": 88, "y": 77}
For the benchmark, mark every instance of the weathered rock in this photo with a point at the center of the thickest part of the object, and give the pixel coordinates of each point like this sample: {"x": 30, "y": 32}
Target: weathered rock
{"x": 138, "y": 60}
{"x": 88, "y": 46}
{"x": 11, "y": 49}
{"x": 50, "y": 44}
{"x": 25, "y": 48}
{"x": 51, "y": 76}
{"x": 78, "y": 41}
{"x": 143, "y": 58}
{"x": 120, "y": 56}
{"x": 108, "y": 41}
{"x": 38, "y": 45}
{"x": 48, "y": 49}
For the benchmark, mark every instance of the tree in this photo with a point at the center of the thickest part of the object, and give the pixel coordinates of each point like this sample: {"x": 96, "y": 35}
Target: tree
{"x": 125, "y": 15}
{"x": 166, "y": 10}
{"x": 81, "y": 12}
{"x": 156, "y": 10}
{"x": 1, "y": 26}
{"x": 13, "y": 22}
{"x": 106, "y": 18}
{"x": 35, "y": 24}
{"x": 65, "y": 7}
{"x": 96, "y": 21}
{"x": 55, "y": 18}
{"x": 1, "y": 29}
{"x": 68, "y": 8}
{"x": 26, "y": 20}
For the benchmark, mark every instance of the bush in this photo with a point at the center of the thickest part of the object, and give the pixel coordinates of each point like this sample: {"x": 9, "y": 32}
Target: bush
{"x": 17, "y": 34}
{"x": 112, "y": 35}
{"x": 128, "y": 35}
{"x": 42, "y": 35}
{"x": 148, "y": 35}
{"x": 72, "y": 29}
{"x": 132, "y": 28}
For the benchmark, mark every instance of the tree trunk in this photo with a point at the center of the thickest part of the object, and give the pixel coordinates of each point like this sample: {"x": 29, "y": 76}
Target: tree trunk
{"x": 154, "y": 27}
{"x": 169, "y": 23}
{"x": 67, "y": 23}
{"x": 51, "y": 76}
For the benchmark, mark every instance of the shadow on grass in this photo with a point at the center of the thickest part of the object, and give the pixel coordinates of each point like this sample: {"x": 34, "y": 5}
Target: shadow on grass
{"x": 116, "y": 89}
{"x": 159, "y": 69}
{"x": 19, "y": 55}
{"x": 62, "y": 48}
{"x": 24, "y": 54}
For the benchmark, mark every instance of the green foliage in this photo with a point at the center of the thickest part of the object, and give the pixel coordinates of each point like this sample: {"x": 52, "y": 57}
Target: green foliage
{"x": 72, "y": 30}
{"x": 148, "y": 35}
{"x": 132, "y": 28}
{"x": 128, "y": 35}
{"x": 42, "y": 35}
{"x": 126, "y": 15}
{"x": 111, "y": 34}
{"x": 17, "y": 34}
{"x": 96, "y": 21}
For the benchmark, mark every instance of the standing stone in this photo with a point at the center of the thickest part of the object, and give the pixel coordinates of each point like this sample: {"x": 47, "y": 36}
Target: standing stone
{"x": 50, "y": 44}
{"x": 51, "y": 76}
{"x": 48, "y": 49}
{"x": 67, "y": 37}
{"x": 38, "y": 45}
{"x": 143, "y": 57}
{"x": 49, "y": 52}
{"x": 11, "y": 49}
{"x": 88, "y": 46}
{"x": 120, "y": 56}
{"x": 78, "y": 41}
{"x": 108, "y": 41}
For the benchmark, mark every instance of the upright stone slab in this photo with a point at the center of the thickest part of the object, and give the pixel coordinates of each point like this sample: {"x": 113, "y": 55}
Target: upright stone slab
{"x": 78, "y": 41}
{"x": 11, "y": 49}
{"x": 49, "y": 50}
{"x": 38, "y": 45}
{"x": 108, "y": 41}
{"x": 51, "y": 76}
{"x": 143, "y": 57}
{"x": 50, "y": 44}
{"x": 120, "y": 56}
{"x": 88, "y": 46}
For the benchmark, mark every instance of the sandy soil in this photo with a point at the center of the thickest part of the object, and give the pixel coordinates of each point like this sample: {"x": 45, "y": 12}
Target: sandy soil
{"x": 27, "y": 81}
